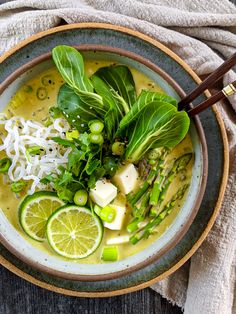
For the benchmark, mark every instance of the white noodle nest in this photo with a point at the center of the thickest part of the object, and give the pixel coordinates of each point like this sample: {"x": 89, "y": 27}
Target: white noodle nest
{"x": 22, "y": 134}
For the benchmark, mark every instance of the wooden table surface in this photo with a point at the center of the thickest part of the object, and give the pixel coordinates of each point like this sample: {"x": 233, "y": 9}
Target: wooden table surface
{"x": 18, "y": 296}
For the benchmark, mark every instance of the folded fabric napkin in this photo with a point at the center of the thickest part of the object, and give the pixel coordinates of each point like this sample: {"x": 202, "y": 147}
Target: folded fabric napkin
{"x": 202, "y": 33}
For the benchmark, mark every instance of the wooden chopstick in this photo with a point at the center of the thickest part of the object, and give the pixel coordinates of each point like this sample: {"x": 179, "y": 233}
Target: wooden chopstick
{"x": 208, "y": 82}
{"x": 224, "y": 93}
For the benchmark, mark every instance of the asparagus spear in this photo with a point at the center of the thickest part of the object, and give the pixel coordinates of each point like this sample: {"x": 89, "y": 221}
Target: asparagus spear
{"x": 140, "y": 211}
{"x": 137, "y": 223}
{"x": 134, "y": 198}
{"x": 149, "y": 228}
{"x": 162, "y": 183}
{"x": 143, "y": 207}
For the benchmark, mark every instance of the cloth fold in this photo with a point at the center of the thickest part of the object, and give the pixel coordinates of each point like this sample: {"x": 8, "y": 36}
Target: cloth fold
{"x": 202, "y": 33}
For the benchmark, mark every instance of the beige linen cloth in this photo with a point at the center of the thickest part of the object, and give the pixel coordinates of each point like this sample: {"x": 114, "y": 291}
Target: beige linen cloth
{"x": 191, "y": 28}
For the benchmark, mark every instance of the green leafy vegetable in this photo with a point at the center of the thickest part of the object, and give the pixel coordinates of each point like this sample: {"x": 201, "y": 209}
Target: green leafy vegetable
{"x": 65, "y": 178}
{"x": 156, "y": 126}
{"x": 65, "y": 194}
{"x": 108, "y": 99}
{"x": 49, "y": 178}
{"x": 18, "y": 186}
{"x": 145, "y": 99}
{"x": 63, "y": 142}
{"x": 110, "y": 164}
{"x": 70, "y": 64}
{"x": 55, "y": 112}
{"x": 112, "y": 103}
{"x": 74, "y": 161}
{"x": 77, "y": 113}
{"x": 92, "y": 166}
{"x": 121, "y": 80}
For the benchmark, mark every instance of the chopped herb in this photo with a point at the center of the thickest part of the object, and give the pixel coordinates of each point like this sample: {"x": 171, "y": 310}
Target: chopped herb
{"x": 18, "y": 186}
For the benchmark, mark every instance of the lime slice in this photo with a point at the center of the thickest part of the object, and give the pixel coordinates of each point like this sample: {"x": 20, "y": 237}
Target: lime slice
{"x": 74, "y": 232}
{"x": 34, "y": 212}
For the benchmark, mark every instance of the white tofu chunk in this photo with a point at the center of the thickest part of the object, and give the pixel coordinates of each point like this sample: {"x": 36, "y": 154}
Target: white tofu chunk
{"x": 103, "y": 193}
{"x": 126, "y": 178}
{"x": 117, "y": 223}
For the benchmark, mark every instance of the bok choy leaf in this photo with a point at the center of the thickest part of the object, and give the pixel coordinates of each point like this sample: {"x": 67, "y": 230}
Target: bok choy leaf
{"x": 75, "y": 111}
{"x": 144, "y": 100}
{"x": 112, "y": 103}
{"x": 70, "y": 64}
{"x": 121, "y": 80}
{"x": 156, "y": 126}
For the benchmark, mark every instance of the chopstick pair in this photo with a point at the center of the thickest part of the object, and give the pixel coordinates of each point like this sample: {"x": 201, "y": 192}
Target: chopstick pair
{"x": 208, "y": 82}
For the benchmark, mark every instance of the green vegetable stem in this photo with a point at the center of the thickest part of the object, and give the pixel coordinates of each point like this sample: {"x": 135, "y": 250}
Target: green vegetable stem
{"x": 162, "y": 183}
{"x": 110, "y": 254}
{"x": 155, "y": 170}
{"x": 149, "y": 228}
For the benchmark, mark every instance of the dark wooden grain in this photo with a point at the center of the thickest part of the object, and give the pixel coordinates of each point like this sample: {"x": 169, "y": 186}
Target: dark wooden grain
{"x": 20, "y": 297}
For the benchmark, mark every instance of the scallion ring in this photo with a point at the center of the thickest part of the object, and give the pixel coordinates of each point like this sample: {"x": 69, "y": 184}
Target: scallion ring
{"x": 96, "y": 126}
{"x": 42, "y": 93}
{"x": 96, "y": 138}
{"x": 81, "y": 197}
{"x": 5, "y": 164}
{"x": 110, "y": 254}
{"x": 18, "y": 186}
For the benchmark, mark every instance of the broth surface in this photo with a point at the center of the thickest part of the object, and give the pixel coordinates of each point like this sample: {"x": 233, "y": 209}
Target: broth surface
{"x": 26, "y": 104}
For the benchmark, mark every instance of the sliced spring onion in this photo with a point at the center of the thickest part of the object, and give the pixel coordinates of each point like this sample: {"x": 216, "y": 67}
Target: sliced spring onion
{"x": 28, "y": 89}
{"x": 55, "y": 112}
{"x": 107, "y": 214}
{"x": 118, "y": 148}
{"x": 70, "y": 135}
{"x": 81, "y": 197}
{"x": 118, "y": 240}
{"x": 48, "y": 122}
{"x": 110, "y": 254}
{"x": 5, "y": 164}
{"x": 97, "y": 209}
{"x": 42, "y": 93}
{"x": 96, "y": 126}
{"x": 96, "y": 138}
{"x": 18, "y": 186}
{"x": 34, "y": 150}
{"x": 47, "y": 80}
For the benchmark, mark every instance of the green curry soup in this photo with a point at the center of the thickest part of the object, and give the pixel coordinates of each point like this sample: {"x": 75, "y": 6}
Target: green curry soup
{"x": 32, "y": 101}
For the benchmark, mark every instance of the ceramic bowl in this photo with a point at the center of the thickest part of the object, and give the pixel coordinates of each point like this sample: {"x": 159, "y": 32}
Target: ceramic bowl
{"x": 45, "y": 262}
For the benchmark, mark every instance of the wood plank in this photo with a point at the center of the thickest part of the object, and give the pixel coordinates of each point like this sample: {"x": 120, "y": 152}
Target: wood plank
{"x": 18, "y": 296}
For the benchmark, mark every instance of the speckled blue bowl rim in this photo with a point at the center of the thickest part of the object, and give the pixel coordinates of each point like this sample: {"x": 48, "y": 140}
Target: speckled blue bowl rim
{"x": 119, "y": 37}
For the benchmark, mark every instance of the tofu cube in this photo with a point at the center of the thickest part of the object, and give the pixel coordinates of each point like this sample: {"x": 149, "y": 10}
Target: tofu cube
{"x": 103, "y": 193}
{"x": 117, "y": 223}
{"x": 126, "y": 178}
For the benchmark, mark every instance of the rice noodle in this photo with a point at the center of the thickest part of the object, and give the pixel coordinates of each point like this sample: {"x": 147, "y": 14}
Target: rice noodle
{"x": 20, "y": 135}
